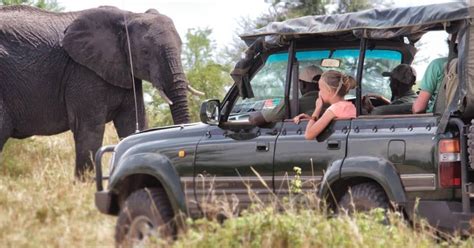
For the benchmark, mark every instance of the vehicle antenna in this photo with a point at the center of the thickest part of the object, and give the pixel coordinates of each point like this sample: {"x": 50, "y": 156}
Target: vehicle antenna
{"x": 137, "y": 127}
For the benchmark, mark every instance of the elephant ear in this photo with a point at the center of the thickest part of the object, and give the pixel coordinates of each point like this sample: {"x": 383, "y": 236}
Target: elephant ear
{"x": 96, "y": 39}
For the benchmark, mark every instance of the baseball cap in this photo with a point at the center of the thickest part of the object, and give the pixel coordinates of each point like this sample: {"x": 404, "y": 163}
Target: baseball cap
{"x": 308, "y": 73}
{"x": 403, "y": 73}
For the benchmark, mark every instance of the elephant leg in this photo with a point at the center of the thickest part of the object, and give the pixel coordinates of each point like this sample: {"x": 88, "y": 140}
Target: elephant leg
{"x": 125, "y": 120}
{"x": 6, "y": 127}
{"x": 88, "y": 139}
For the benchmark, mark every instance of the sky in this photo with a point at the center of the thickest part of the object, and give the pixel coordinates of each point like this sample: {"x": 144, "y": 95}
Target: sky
{"x": 222, "y": 16}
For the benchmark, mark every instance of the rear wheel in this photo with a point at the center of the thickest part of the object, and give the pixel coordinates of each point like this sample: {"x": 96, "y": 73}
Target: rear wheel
{"x": 470, "y": 144}
{"x": 364, "y": 197}
{"x": 146, "y": 212}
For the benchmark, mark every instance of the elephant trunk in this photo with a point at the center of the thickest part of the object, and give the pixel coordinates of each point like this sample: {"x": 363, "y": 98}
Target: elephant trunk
{"x": 178, "y": 89}
{"x": 179, "y": 108}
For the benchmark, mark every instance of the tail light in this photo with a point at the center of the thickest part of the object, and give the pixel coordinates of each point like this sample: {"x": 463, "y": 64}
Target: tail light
{"x": 449, "y": 163}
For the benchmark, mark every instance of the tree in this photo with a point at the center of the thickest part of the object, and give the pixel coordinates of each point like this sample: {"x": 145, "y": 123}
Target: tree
{"x": 281, "y": 10}
{"x": 345, "y": 6}
{"x": 202, "y": 72}
{"x": 51, "y": 5}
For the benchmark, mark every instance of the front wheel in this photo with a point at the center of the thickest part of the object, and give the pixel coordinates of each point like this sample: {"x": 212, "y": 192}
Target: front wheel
{"x": 146, "y": 212}
{"x": 364, "y": 197}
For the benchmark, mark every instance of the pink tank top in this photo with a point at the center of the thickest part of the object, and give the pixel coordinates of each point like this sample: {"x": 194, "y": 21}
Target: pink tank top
{"x": 343, "y": 110}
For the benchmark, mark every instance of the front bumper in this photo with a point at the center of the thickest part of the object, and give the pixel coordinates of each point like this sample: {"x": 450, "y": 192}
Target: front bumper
{"x": 104, "y": 201}
{"x": 444, "y": 215}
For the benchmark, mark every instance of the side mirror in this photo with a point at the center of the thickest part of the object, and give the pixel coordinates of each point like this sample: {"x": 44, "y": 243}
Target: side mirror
{"x": 210, "y": 112}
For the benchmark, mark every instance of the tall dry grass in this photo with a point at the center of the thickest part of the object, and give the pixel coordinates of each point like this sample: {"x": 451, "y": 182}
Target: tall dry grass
{"x": 42, "y": 206}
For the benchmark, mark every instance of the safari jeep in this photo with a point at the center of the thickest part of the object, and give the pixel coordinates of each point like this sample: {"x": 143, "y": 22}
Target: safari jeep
{"x": 387, "y": 161}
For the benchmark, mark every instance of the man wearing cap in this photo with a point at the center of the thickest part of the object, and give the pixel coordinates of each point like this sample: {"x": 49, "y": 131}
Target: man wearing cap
{"x": 402, "y": 79}
{"x": 429, "y": 86}
{"x": 308, "y": 83}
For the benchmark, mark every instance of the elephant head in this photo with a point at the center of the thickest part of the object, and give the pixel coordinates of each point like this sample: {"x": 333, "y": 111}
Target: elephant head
{"x": 98, "y": 39}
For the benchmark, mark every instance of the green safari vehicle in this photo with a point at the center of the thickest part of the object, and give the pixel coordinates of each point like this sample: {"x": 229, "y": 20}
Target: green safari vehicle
{"x": 388, "y": 161}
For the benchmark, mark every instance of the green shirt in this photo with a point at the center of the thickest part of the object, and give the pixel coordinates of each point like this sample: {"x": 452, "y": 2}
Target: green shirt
{"x": 432, "y": 79}
{"x": 306, "y": 102}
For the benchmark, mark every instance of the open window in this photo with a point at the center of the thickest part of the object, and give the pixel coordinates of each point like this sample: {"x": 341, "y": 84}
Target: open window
{"x": 268, "y": 86}
{"x": 401, "y": 95}
{"x": 268, "y": 83}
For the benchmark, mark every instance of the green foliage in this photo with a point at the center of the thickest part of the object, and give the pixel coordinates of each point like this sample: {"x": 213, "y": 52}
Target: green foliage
{"x": 296, "y": 184}
{"x": 307, "y": 227}
{"x": 198, "y": 48}
{"x": 353, "y": 5}
{"x": 43, "y": 207}
{"x": 345, "y": 6}
{"x": 281, "y": 10}
{"x": 51, "y": 5}
{"x": 202, "y": 72}
{"x": 285, "y": 9}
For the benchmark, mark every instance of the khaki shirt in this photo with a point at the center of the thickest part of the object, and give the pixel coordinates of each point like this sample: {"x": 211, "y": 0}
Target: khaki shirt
{"x": 307, "y": 103}
{"x": 409, "y": 97}
{"x": 401, "y": 105}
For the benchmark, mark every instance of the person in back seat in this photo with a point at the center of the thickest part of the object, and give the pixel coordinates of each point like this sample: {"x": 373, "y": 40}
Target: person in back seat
{"x": 402, "y": 79}
{"x": 429, "y": 85}
{"x": 309, "y": 88}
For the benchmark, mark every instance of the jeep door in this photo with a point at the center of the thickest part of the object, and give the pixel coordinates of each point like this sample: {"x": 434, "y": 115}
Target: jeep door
{"x": 394, "y": 148}
{"x": 312, "y": 156}
{"x": 234, "y": 161}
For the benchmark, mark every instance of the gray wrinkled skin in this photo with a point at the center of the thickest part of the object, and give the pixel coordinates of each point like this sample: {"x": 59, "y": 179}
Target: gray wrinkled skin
{"x": 71, "y": 71}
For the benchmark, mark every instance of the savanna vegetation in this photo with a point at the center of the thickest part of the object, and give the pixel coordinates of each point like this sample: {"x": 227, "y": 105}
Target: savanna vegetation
{"x": 41, "y": 204}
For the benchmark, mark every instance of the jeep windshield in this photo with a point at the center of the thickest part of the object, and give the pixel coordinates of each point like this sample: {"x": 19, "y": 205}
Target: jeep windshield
{"x": 268, "y": 84}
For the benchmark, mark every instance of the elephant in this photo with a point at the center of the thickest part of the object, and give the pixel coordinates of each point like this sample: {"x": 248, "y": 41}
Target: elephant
{"x": 79, "y": 70}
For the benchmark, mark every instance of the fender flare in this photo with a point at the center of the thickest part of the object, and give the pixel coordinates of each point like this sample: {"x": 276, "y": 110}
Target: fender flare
{"x": 377, "y": 169}
{"x": 331, "y": 175}
{"x": 157, "y": 166}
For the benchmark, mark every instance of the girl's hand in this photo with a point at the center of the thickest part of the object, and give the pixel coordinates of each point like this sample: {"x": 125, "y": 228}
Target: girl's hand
{"x": 299, "y": 117}
{"x": 319, "y": 102}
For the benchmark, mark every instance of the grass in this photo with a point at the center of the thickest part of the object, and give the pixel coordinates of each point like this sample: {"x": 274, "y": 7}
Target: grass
{"x": 41, "y": 205}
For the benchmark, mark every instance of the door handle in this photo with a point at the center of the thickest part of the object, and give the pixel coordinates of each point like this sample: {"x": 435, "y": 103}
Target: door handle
{"x": 334, "y": 144}
{"x": 273, "y": 132}
{"x": 263, "y": 146}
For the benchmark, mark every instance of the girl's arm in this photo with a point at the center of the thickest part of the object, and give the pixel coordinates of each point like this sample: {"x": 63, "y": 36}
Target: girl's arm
{"x": 314, "y": 128}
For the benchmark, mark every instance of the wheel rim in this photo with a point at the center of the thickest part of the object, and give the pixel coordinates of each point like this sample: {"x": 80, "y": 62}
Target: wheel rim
{"x": 140, "y": 229}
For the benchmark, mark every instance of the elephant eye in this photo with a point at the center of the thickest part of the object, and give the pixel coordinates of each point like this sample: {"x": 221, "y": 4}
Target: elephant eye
{"x": 145, "y": 52}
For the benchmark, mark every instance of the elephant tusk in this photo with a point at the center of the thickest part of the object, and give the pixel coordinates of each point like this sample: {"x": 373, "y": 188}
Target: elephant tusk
{"x": 163, "y": 95}
{"x": 194, "y": 91}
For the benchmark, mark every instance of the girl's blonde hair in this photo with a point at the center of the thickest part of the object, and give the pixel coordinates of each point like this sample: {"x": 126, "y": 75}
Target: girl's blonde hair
{"x": 339, "y": 83}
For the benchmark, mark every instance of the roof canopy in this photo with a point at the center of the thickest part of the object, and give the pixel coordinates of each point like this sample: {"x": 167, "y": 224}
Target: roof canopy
{"x": 373, "y": 23}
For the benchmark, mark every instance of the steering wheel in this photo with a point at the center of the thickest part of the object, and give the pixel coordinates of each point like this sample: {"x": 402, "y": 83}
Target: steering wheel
{"x": 369, "y": 101}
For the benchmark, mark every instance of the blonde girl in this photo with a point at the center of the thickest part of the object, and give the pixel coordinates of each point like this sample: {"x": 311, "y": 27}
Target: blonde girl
{"x": 333, "y": 86}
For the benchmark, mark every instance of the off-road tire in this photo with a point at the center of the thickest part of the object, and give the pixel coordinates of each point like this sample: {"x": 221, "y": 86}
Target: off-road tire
{"x": 363, "y": 198}
{"x": 470, "y": 144}
{"x": 150, "y": 206}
